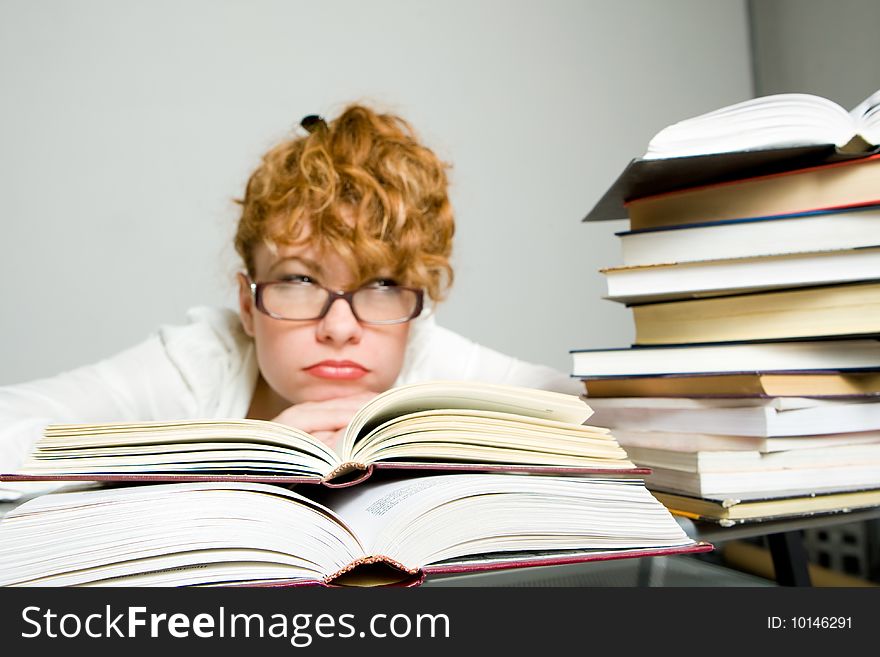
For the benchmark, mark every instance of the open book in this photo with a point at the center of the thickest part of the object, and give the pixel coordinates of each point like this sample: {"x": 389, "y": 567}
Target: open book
{"x": 758, "y": 137}
{"x": 451, "y": 425}
{"x": 775, "y": 121}
{"x": 394, "y": 532}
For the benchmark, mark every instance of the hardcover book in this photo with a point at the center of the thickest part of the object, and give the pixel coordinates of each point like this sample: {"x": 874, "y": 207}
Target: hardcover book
{"x": 439, "y": 425}
{"x": 732, "y": 358}
{"x": 739, "y": 473}
{"x": 730, "y": 511}
{"x": 848, "y": 228}
{"x": 754, "y": 138}
{"x": 824, "y": 187}
{"x": 702, "y": 442}
{"x": 757, "y": 484}
{"x": 775, "y": 417}
{"x": 388, "y": 533}
{"x": 751, "y": 384}
{"x": 643, "y": 178}
{"x": 755, "y": 461}
{"x": 845, "y": 310}
{"x": 706, "y": 278}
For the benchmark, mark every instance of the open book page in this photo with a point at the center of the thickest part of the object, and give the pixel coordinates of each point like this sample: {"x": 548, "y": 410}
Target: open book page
{"x": 434, "y": 395}
{"x": 194, "y": 533}
{"x": 193, "y": 447}
{"x": 10, "y": 495}
{"x": 490, "y": 437}
{"x": 19, "y": 492}
{"x": 776, "y": 121}
{"x": 866, "y": 116}
{"x": 428, "y": 520}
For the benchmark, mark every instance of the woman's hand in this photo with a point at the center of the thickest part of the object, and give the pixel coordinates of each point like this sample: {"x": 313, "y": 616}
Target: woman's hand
{"x": 325, "y": 420}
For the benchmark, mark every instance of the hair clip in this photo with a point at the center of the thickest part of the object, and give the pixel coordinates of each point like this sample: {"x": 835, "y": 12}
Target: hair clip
{"x": 313, "y": 122}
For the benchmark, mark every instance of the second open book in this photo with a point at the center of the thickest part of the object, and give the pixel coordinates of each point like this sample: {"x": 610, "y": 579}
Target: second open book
{"x": 439, "y": 425}
{"x": 393, "y": 532}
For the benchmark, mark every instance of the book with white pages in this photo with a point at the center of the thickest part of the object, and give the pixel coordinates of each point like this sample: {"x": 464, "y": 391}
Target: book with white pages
{"x": 777, "y": 416}
{"x": 757, "y": 484}
{"x": 827, "y": 384}
{"x": 845, "y": 310}
{"x": 789, "y": 356}
{"x": 705, "y": 278}
{"x": 847, "y": 228}
{"x": 703, "y": 442}
{"x": 433, "y": 425}
{"x": 380, "y": 533}
{"x": 728, "y": 511}
{"x": 753, "y": 460}
{"x": 771, "y": 121}
{"x": 759, "y": 136}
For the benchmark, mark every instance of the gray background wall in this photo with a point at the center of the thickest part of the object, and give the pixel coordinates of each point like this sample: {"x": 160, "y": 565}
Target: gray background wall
{"x": 817, "y": 47}
{"x": 127, "y": 128}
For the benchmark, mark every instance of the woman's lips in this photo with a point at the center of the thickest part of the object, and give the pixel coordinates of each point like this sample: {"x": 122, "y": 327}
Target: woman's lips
{"x": 345, "y": 370}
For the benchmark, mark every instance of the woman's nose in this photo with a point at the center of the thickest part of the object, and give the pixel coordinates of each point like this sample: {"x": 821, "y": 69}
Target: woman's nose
{"x": 339, "y": 324}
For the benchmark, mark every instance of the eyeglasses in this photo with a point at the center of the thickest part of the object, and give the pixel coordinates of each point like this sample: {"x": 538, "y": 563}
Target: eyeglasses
{"x": 306, "y": 300}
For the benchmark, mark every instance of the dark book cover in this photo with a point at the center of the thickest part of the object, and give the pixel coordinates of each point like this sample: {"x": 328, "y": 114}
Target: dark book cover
{"x": 643, "y": 178}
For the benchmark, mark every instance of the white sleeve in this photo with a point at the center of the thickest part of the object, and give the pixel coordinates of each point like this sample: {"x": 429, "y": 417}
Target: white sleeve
{"x": 138, "y": 384}
{"x": 205, "y": 368}
{"x": 438, "y": 353}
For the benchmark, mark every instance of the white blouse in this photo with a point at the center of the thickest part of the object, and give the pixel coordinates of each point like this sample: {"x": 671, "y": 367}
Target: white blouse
{"x": 207, "y": 368}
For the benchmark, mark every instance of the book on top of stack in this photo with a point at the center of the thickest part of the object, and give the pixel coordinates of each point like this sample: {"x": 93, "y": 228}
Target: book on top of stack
{"x": 754, "y": 382}
{"x": 751, "y": 139}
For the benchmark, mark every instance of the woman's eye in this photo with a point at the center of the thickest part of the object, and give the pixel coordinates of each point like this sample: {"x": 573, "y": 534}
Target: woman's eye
{"x": 384, "y": 282}
{"x": 297, "y": 278}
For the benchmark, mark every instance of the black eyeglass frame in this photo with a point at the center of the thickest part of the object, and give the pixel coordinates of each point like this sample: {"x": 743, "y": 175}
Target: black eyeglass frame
{"x": 332, "y": 296}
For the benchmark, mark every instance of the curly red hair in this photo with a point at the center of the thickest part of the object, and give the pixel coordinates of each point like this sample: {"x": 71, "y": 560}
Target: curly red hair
{"x": 371, "y": 169}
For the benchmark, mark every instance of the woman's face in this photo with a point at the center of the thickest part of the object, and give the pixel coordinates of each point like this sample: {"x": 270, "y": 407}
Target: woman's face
{"x": 315, "y": 360}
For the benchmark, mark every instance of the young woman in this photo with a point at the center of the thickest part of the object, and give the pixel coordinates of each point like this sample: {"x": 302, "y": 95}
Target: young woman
{"x": 345, "y": 235}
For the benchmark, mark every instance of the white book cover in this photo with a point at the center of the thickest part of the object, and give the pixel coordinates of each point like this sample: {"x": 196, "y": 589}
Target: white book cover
{"x": 702, "y": 278}
{"x": 794, "y": 356}
{"x": 763, "y": 236}
{"x": 781, "y": 416}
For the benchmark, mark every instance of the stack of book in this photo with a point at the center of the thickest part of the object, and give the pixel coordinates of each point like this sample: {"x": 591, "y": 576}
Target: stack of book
{"x": 436, "y": 477}
{"x": 752, "y": 267}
